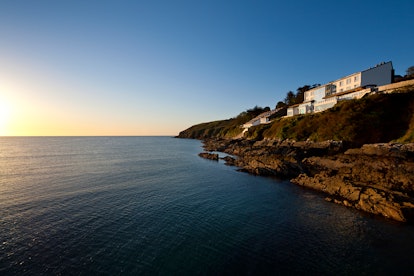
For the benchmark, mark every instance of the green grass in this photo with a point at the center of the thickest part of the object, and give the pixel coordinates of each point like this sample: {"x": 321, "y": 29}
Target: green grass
{"x": 374, "y": 119}
{"x": 221, "y": 129}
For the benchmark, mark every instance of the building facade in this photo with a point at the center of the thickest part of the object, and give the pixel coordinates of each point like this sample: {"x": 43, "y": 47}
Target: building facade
{"x": 354, "y": 86}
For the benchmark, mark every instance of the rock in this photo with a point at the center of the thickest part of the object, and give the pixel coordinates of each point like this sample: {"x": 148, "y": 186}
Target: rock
{"x": 230, "y": 161}
{"x": 210, "y": 156}
{"x": 376, "y": 178}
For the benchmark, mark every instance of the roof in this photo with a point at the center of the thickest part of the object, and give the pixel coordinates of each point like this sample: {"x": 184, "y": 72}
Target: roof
{"x": 344, "y": 92}
{"x": 295, "y": 105}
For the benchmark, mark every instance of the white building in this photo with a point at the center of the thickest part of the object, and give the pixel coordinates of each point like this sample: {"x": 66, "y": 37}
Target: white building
{"x": 350, "y": 87}
{"x": 263, "y": 118}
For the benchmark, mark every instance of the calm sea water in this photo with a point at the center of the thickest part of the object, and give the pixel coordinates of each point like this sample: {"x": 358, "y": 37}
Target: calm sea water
{"x": 151, "y": 206}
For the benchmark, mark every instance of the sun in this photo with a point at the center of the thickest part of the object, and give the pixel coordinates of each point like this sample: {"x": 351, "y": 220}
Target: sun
{"x": 5, "y": 114}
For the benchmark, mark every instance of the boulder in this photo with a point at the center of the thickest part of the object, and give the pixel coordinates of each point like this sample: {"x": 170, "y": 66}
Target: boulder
{"x": 210, "y": 156}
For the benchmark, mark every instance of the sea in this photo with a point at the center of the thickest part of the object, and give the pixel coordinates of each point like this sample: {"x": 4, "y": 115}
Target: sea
{"x": 151, "y": 206}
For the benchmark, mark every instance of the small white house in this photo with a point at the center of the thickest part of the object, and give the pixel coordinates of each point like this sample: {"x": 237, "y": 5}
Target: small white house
{"x": 263, "y": 118}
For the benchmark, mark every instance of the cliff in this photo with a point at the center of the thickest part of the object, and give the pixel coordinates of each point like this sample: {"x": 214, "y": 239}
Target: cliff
{"x": 359, "y": 153}
{"x": 374, "y": 119}
{"x": 229, "y": 128}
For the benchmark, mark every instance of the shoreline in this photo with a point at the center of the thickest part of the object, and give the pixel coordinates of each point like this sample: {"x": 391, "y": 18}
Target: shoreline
{"x": 374, "y": 178}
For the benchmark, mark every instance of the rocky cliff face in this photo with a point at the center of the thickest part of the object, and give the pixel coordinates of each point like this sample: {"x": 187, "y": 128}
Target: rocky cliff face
{"x": 376, "y": 178}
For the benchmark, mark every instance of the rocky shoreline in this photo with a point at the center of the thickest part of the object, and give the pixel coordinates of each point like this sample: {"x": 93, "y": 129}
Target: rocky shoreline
{"x": 375, "y": 178}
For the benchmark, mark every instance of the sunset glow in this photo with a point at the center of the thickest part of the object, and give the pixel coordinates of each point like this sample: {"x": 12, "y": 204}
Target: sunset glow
{"x": 158, "y": 67}
{"x": 5, "y": 116}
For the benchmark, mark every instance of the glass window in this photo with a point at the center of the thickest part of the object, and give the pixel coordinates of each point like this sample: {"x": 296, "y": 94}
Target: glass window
{"x": 356, "y": 78}
{"x": 340, "y": 83}
{"x": 348, "y": 81}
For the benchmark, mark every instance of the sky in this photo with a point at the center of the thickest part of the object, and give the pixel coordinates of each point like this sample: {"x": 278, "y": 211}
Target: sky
{"x": 156, "y": 67}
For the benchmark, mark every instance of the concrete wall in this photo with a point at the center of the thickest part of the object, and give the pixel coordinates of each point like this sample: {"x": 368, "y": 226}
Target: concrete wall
{"x": 378, "y": 75}
{"x": 325, "y": 104}
{"x": 355, "y": 95}
{"x": 394, "y": 86}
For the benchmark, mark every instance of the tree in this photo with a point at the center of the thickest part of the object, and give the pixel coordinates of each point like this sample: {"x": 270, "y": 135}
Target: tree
{"x": 410, "y": 71}
{"x": 290, "y": 98}
{"x": 257, "y": 110}
{"x": 280, "y": 104}
{"x": 300, "y": 93}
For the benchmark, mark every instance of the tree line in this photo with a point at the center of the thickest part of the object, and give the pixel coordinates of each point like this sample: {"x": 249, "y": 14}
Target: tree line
{"x": 296, "y": 98}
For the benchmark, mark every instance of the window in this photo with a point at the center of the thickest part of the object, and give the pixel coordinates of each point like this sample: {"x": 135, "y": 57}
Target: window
{"x": 340, "y": 83}
{"x": 356, "y": 78}
{"x": 348, "y": 81}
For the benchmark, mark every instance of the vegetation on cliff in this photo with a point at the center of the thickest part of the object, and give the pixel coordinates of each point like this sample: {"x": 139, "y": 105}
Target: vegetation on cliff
{"x": 342, "y": 152}
{"x": 224, "y": 128}
{"x": 373, "y": 119}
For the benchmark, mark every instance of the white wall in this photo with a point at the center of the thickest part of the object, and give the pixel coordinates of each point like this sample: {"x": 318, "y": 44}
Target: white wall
{"x": 315, "y": 94}
{"x": 319, "y": 93}
{"x": 305, "y": 108}
{"x": 264, "y": 120}
{"x": 355, "y": 95}
{"x": 378, "y": 75}
{"x": 348, "y": 82}
{"x": 291, "y": 111}
{"x": 325, "y": 104}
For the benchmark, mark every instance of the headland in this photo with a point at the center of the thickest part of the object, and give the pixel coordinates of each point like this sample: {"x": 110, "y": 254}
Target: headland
{"x": 360, "y": 153}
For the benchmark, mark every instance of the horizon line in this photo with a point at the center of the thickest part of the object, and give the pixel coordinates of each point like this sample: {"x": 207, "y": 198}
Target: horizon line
{"x": 22, "y": 136}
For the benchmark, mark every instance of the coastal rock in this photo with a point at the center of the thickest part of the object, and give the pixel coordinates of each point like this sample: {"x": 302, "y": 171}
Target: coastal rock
{"x": 378, "y": 179}
{"x": 230, "y": 161}
{"x": 272, "y": 157}
{"x": 375, "y": 178}
{"x": 210, "y": 156}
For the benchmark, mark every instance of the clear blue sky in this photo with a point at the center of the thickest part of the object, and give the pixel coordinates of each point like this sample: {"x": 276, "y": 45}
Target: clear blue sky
{"x": 157, "y": 67}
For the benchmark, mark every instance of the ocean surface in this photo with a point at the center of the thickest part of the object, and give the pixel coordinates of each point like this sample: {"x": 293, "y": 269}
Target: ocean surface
{"x": 151, "y": 206}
